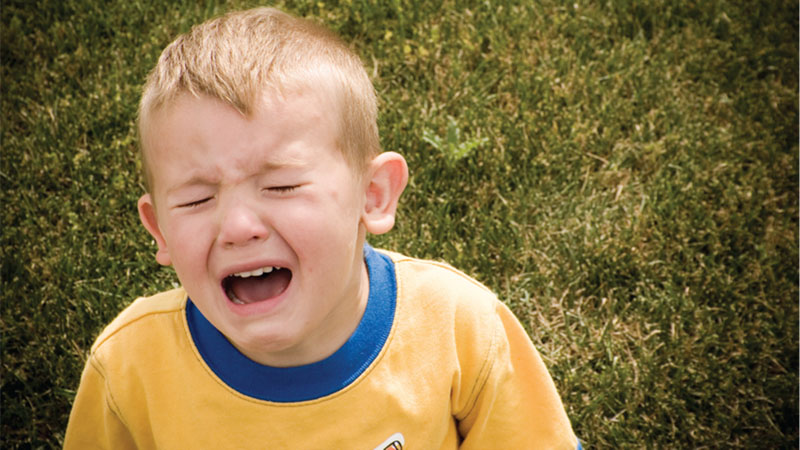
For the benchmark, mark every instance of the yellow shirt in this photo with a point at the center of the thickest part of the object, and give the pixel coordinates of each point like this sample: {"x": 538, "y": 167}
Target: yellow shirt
{"x": 436, "y": 363}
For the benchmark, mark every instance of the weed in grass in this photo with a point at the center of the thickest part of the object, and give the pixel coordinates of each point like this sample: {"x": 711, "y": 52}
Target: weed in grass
{"x": 453, "y": 147}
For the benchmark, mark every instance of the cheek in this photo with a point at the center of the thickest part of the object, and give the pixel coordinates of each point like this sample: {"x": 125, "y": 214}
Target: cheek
{"x": 317, "y": 231}
{"x": 187, "y": 241}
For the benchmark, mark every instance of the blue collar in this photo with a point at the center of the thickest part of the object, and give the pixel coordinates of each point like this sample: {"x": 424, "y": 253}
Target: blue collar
{"x": 315, "y": 380}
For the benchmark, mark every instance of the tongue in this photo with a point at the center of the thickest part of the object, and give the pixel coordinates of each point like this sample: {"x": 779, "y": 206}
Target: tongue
{"x": 256, "y": 289}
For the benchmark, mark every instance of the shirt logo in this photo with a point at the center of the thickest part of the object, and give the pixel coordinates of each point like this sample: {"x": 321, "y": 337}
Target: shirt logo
{"x": 395, "y": 442}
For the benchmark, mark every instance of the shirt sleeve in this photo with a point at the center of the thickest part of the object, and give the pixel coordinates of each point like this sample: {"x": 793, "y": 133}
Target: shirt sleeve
{"x": 94, "y": 422}
{"x": 516, "y": 405}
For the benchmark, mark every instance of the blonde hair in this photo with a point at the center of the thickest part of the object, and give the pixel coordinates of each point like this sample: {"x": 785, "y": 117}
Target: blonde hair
{"x": 238, "y": 57}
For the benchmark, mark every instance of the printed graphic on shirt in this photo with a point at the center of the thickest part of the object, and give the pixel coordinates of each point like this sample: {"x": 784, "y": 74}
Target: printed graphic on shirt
{"x": 395, "y": 442}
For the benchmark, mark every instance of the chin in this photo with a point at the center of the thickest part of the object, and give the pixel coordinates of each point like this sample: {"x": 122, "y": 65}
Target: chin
{"x": 265, "y": 342}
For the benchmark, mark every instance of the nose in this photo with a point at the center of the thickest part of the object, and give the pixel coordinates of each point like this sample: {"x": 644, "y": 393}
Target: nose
{"x": 240, "y": 225}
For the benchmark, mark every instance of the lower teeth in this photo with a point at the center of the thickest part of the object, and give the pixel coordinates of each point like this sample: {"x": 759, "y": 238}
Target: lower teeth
{"x": 233, "y": 298}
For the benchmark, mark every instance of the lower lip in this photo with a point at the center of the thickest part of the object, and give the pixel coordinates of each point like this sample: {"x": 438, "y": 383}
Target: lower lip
{"x": 258, "y": 308}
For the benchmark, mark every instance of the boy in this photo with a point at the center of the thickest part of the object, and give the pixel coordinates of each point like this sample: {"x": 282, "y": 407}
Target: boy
{"x": 264, "y": 175}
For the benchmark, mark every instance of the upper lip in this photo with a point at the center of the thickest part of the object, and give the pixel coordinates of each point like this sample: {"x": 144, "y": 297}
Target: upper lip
{"x": 256, "y": 272}
{"x": 242, "y": 268}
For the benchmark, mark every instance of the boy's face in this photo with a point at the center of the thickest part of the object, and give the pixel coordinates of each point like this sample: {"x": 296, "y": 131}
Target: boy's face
{"x": 233, "y": 195}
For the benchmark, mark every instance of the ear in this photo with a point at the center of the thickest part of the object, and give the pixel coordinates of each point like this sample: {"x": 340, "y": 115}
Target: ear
{"x": 147, "y": 214}
{"x": 388, "y": 175}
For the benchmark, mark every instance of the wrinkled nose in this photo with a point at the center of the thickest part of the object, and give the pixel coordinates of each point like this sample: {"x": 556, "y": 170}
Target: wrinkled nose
{"x": 241, "y": 225}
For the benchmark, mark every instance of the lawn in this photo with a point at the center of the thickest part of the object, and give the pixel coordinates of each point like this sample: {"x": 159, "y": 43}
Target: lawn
{"x": 624, "y": 174}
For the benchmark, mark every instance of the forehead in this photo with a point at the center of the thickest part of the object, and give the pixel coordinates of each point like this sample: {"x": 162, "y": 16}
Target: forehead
{"x": 196, "y": 132}
{"x": 185, "y": 109}
{"x": 319, "y": 88}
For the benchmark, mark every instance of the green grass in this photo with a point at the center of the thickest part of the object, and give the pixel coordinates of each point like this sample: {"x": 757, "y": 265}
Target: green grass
{"x": 624, "y": 174}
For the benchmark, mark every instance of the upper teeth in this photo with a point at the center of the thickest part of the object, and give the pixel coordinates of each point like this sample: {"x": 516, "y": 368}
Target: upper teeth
{"x": 255, "y": 273}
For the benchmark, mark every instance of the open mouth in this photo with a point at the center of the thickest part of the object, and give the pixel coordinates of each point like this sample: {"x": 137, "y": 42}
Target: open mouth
{"x": 255, "y": 286}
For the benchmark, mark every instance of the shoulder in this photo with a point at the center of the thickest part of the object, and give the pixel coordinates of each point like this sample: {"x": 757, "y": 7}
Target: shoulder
{"x": 141, "y": 313}
{"x": 442, "y": 284}
{"x": 441, "y": 304}
{"x": 456, "y": 308}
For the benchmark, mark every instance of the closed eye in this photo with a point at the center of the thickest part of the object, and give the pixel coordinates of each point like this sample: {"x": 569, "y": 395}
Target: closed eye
{"x": 195, "y": 203}
{"x": 282, "y": 189}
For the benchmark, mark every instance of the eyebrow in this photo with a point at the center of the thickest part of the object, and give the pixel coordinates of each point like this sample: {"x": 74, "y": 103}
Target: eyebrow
{"x": 205, "y": 178}
{"x": 286, "y": 163}
{"x": 194, "y": 180}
